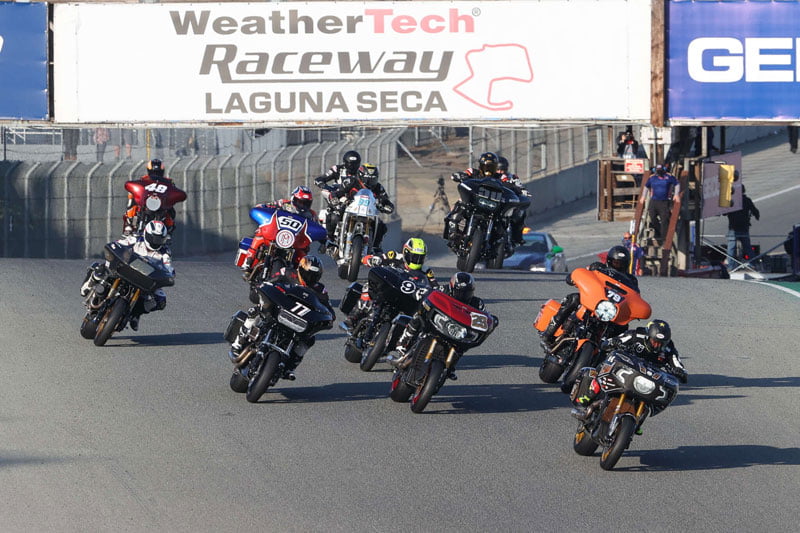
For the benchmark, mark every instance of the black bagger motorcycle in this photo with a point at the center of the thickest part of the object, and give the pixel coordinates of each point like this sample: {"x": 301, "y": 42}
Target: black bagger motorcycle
{"x": 450, "y": 328}
{"x": 395, "y": 294}
{"x": 488, "y": 206}
{"x": 288, "y": 318}
{"x": 111, "y": 300}
{"x": 631, "y": 388}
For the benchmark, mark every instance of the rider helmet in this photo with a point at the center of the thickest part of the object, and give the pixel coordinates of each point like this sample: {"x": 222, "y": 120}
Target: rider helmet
{"x": 414, "y": 252}
{"x": 155, "y": 235}
{"x": 302, "y": 198}
{"x": 487, "y": 164}
{"x": 658, "y": 334}
{"x": 618, "y": 258}
{"x": 502, "y": 165}
{"x": 370, "y": 175}
{"x": 462, "y": 286}
{"x": 155, "y": 169}
{"x": 309, "y": 271}
{"x": 351, "y": 160}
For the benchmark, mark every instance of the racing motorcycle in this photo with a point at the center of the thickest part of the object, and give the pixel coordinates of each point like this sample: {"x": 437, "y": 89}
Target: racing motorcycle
{"x": 488, "y": 206}
{"x": 288, "y": 318}
{"x": 111, "y": 300}
{"x": 449, "y": 329}
{"x": 155, "y": 200}
{"x": 355, "y": 234}
{"x": 395, "y": 295}
{"x": 284, "y": 234}
{"x": 606, "y": 306}
{"x": 631, "y": 389}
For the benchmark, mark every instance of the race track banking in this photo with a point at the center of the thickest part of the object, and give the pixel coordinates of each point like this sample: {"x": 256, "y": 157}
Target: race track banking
{"x": 145, "y": 434}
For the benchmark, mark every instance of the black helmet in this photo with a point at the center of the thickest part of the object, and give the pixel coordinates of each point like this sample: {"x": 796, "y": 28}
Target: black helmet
{"x": 155, "y": 168}
{"x": 370, "y": 174}
{"x": 487, "y": 164}
{"x": 658, "y": 334}
{"x": 502, "y": 164}
{"x": 462, "y": 286}
{"x": 352, "y": 160}
{"x": 618, "y": 258}
{"x": 309, "y": 270}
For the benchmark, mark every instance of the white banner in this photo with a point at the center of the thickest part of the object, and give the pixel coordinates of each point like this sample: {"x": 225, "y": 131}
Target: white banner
{"x": 327, "y": 62}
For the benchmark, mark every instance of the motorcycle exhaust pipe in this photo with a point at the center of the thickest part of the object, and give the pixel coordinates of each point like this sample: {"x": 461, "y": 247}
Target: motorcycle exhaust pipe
{"x": 243, "y": 357}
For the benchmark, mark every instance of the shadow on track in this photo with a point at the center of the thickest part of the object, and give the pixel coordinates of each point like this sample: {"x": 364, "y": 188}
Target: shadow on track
{"x": 336, "y": 392}
{"x": 496, "y": 398}
{"x": 712, "y": 458}
{"x": 170, "y": 339}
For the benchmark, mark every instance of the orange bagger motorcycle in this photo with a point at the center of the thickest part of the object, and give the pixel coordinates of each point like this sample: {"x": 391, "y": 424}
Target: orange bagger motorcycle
{"x": 605, "y": 304}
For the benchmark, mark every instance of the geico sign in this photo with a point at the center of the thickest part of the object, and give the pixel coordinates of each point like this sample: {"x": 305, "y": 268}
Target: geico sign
{"x": 756, "y": 59}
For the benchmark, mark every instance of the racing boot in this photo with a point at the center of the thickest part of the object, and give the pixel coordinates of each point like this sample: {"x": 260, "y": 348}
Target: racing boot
{"x": 94, "y": 275}
{"x": 402, "y": 360}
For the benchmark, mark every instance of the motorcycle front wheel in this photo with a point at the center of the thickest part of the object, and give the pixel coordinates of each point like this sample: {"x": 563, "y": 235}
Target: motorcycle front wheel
{"x": 500, "y": 255}
{"x": 110, "y": 321}
{"x": 583, "y": 443}
{"x": 373, "y": 354}
{"x": 622, "y": 438}
{"x": 476, "y": 243}
{"x": 583, "y": 359}
{"x": 356, "y": 248}
{"x": 429, "y": 387}
{"x": 259, "y": 384}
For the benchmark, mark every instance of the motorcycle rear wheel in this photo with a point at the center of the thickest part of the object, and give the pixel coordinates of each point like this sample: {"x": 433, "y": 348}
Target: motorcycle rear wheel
{"x": 583, "y": 443}
{"x": 258, "y": 385}
{"x": 238, "y": 382}
{"x": 476, "y": 243}
{"x": 341, "y": 271}
{"x": 88, "y": 327}
{"x": 620, "y": 442}
{"x": 430, "y": 386}
{"x": 373, "y": 354}
{"x": 401, "y": 391}
{"x": 356, "y": 248}
{"x": 110, "y": 321}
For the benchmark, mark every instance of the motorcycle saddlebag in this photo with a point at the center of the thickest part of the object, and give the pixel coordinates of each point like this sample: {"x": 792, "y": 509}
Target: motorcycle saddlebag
{"x": 241, "y": 253}
{"x": 351, "y": 296}
{"x": 546, "y": 313}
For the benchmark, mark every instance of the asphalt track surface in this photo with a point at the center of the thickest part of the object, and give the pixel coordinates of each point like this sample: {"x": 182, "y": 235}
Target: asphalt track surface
{"x": 144, "y": 434}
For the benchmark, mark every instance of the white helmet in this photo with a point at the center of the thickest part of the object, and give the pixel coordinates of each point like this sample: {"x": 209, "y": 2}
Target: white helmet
{"x": 155, "y": 234}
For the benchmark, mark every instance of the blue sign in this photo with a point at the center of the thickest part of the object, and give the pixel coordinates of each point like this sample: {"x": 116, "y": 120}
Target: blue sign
{"x": 733, "y": 60}
{"x": 23, "y": 61}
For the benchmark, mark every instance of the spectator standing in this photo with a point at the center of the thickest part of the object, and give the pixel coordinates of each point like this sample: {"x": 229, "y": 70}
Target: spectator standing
{"x": 662, "y": 186}
{"x": 792, "y": 131}
{"x": 636, "y": 253}
{"x": 121, "y": 137}
{"x": 70, "y": 138}
{"x": 101, "y": 138}
{"x": 739, "y": 228}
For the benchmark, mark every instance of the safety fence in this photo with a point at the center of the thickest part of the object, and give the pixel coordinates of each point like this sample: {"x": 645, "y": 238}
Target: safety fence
{"x": 71, "y": 208}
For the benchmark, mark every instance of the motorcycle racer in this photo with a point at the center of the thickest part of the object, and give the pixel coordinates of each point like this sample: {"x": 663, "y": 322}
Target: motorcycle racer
{"x": 155, "y": 174}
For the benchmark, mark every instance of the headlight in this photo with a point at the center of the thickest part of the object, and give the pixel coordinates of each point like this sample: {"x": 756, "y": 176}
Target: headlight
{"x": 487, "y": 204}
{"x": 606, "y": 311}
{"x": 643, "y": 386}
{"x": 291, "y": 321}
{"x": 448, "y": 327}
{"x": 153, "y": 203}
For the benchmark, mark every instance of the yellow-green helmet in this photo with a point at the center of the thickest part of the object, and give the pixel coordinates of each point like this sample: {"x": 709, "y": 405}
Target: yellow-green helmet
{"x": 414, "y": 251}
